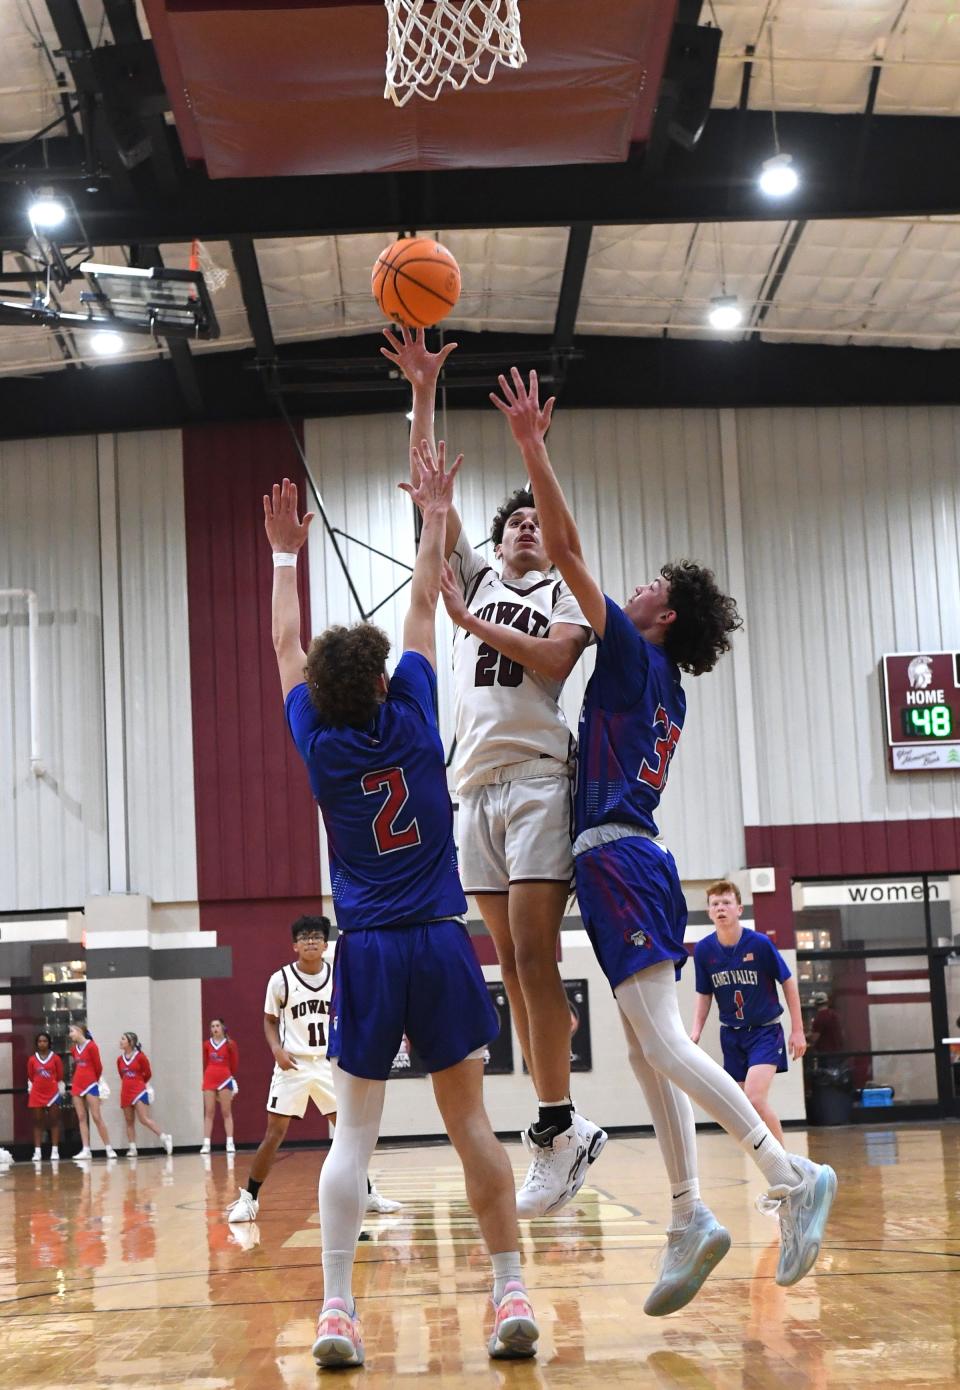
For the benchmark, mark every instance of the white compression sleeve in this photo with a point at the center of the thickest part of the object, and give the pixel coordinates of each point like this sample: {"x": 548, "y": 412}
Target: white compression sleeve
{"x": 649, "y": 1001}
{"x": 343, "y": 1178}
{"x": 674, "y": 1125}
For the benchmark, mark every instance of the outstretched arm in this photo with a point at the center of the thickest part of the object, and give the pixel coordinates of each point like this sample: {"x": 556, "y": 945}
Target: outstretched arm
{"x": 432, "y": 490}
{"x": 422, "y": 369}
{"x": 529, "y": 424}
{"x": 286, "y": 534}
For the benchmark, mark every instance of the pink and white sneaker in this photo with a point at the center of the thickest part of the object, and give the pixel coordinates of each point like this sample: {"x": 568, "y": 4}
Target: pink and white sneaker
{"x": 339, "y": 1342}
{"x": 515, "y": 1332}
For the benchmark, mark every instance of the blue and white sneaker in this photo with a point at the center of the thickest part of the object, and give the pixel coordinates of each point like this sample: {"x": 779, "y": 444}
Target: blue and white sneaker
{"x": 691, "y": 1255}
{"x": 803, "y": 1212}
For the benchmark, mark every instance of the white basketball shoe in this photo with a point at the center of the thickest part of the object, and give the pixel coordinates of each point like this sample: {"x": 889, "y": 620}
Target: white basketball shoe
{"x": 245, "y": 1208}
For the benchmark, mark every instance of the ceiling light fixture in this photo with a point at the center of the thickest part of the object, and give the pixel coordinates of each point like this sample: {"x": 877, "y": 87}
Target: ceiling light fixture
{"x": 106, "y": 343}
{"x": 46, "y": 212}
{"x": 778, "y": 178}
{"x": 725, "y": 312}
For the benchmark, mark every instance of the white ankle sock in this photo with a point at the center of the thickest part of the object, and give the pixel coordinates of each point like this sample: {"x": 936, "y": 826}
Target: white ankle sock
{"x": 683, "y": 1203}
{"x": 770, "y": 1157}
{"x": 338, "y": 1276}
{"x": 506, "y": 1266}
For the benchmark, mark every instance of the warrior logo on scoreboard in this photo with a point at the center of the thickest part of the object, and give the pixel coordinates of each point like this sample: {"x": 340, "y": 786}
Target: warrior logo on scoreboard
{"x": 920, "y": 672}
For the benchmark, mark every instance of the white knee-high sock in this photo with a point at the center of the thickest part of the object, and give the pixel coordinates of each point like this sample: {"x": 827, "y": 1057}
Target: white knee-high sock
{"x": 343, "y": 1179}
{"x": 649, "y": 1001}
{"x": 674, "y": 1126}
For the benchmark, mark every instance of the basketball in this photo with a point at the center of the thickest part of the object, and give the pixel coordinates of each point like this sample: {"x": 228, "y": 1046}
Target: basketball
{"x": 416, "y": 282}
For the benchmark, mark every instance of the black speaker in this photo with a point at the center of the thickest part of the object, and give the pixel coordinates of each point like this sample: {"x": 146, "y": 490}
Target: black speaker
{"x": 687, "y": 87}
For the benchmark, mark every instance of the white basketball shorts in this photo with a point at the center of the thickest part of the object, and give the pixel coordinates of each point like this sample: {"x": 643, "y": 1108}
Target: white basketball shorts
{"x": 516, "y": 831}
{"x": 291, "y": 1090}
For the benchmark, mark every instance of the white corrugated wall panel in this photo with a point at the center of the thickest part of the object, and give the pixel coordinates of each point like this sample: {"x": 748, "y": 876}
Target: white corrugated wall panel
{"x": 645, "y": 487}
{"x": 156, "y": 666}
{"x": 53, "y": 849}
{"x": 852, "y": 533}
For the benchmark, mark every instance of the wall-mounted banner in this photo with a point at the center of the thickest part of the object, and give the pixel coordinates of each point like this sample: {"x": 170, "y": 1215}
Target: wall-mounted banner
{"x": 578, "y": 1002}
{"x": 499, "y": 1057}
{"x": 407, "y": 1061}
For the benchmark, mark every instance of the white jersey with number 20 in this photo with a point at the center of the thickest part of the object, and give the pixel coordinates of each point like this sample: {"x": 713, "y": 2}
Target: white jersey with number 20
{"x": 506, "y": 713}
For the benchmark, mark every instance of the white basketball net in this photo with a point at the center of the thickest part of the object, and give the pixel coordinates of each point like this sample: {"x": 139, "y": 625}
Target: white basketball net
{"x": 432, "y": 43}
{"x": 215, "y": 276}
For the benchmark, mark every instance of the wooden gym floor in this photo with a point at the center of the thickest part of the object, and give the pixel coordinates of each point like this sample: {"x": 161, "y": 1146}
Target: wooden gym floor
{"x": 127, "y": 1276}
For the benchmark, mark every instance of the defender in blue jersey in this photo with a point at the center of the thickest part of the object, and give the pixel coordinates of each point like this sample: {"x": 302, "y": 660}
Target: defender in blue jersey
{"x": 627, "y": 882}
{"x": 743, "y": 968}
{"x": 404, "y": 963}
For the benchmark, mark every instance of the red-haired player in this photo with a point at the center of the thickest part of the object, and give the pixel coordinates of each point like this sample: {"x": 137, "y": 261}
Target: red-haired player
{"x": 135, "y": 1072}
{"x": 86, "y": 1088}
{"x": 220, "y": 1062}
{"x": 44, "y": 1089}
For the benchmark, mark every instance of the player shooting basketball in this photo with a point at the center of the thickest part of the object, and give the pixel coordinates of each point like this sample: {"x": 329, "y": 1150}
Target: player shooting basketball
{"x": 520, "y": 634}
{"x": 627, "y": 882}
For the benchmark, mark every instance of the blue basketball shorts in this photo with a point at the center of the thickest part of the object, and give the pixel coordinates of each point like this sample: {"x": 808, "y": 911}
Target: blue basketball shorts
{"x": 420, "y": 981}
{"x": 744, "y": 1048}
{"x": 632, "y": 906}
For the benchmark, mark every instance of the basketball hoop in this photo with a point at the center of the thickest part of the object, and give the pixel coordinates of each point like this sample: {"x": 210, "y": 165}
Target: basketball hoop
{"x": 215, "y": 276}
{"x": 432, "y": 43}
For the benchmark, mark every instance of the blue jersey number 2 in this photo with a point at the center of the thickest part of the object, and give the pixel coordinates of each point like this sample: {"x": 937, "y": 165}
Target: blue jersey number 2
{"x": 388, "y": 838}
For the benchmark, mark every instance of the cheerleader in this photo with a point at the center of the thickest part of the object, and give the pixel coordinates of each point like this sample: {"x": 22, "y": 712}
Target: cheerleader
{"x": 44, "y": 1090}
{"x": 134, "y": 1068}
{"x": 220, "y": 1058}
{"x": 87, "y": 1088}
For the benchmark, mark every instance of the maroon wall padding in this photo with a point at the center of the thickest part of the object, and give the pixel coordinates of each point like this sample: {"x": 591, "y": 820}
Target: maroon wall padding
{"x": 297, "y": 88}
{"x": 256, "y": 820}
{"x": 258, "y": 854}
{"x": 259, "y": 934}
{"x": 851, "y": 849}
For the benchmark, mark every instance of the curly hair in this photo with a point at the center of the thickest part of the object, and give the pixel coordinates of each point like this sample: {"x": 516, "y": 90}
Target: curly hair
{"x": 523, "y": 497}
{"x": 343, "y": 665}
{"x": 700, "y": 633}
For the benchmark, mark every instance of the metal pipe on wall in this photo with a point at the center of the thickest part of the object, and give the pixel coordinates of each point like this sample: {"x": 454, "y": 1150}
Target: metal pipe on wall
{"x": 33, "y": 623}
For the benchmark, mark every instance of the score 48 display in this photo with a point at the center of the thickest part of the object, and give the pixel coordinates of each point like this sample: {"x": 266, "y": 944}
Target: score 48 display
{"x": 921, "y": 692}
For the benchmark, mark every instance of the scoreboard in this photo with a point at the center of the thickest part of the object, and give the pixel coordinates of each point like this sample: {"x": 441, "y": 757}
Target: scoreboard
{"x": 921, "y": 693}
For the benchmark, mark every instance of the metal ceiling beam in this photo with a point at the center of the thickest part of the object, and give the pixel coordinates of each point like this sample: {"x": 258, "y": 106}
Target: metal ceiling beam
{"x": 901, "y": 175}
{"x": 251, "y": 287}
{"x": 571, "y": 286}
{"x": 634, "y": 373}
{"x": 181, "y": 357}
{"x": 122, "y": 97}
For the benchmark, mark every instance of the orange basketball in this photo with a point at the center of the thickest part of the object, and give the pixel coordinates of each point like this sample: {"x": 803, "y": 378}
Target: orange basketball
{"x": 416, "y": 282}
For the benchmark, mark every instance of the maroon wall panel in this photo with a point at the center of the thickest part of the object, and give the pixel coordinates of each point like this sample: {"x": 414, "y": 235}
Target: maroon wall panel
{"x": 256, "y": 820}
{"x": 259, "y": 933}
{"x": 865, "y": 847}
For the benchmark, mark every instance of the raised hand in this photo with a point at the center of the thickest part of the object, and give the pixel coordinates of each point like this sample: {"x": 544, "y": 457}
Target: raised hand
{"x": 410, "y": 353}
{"x": 433, "y": 490}
{"x": 529, "y": 421}
{"x": 285, "y": 531}
{"x": 452, "y": 594}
